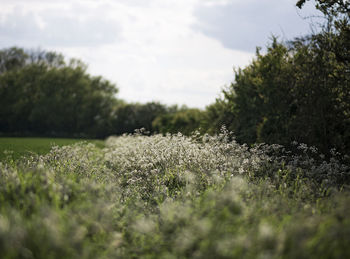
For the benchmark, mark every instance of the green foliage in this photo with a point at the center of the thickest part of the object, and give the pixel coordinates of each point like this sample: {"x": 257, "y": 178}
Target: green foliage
{"x": 174, "y": 197}
{"x": 184, "y": 120}
{"x": 127, "y": 117}
{"x": 216, "y": 115}
{"x": 259, "y": 104}
{"x": 294, "y": 92}
{"x": 261, "y": 97}
{"x": 42, "y": 95}
{"x": 12, "y": 59}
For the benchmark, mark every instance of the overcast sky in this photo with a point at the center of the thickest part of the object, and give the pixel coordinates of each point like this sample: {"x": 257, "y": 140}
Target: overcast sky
{"x": 172, "y": 51}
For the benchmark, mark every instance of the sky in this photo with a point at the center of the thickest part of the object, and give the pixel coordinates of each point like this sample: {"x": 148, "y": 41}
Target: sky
{"x": 171, "y": 51}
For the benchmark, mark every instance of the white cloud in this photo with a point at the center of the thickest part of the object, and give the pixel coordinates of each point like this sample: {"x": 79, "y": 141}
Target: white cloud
{"x": 57, "y": 26}
{"x": 151, "y": 49}
{"x": 246, "y": 24}
{"x": 162, "y": 58}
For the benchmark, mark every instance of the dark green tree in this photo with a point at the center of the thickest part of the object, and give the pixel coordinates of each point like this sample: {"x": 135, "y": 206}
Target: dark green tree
{"x": 260, "y": 99}
{"x": 217, "y": 115}
{"x": 184, "y": 120}
{"x": 297, "y": 90}
{"x": 12, "y": 58}
{"x": 42, "y": 95}
{"x": 127, "y": 117}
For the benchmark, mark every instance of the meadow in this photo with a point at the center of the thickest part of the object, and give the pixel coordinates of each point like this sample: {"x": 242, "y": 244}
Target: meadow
{"x": 175, "y": 197}
{"x": 15, "y": 148}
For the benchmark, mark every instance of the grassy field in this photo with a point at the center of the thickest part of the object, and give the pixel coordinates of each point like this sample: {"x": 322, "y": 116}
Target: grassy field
{"x": 16, "y": 147}
{"x": 174, "y": 197}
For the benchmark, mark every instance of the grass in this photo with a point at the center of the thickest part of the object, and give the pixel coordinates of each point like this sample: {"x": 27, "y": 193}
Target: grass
{"x": 174, "y": 197}
{"x": 15, "y": 148}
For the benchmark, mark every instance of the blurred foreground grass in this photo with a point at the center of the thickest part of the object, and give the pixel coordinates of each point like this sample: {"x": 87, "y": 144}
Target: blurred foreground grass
{"x": 174, "y": 197}
{"x": 14, "y": 148}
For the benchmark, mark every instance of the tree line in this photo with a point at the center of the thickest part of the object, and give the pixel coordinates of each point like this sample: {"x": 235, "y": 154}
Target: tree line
{"x": 44, "y": 95}
{"x": 294, "y": 91}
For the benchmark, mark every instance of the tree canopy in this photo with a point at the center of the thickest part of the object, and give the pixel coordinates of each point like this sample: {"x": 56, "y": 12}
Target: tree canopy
{"x": 41, "y": 94}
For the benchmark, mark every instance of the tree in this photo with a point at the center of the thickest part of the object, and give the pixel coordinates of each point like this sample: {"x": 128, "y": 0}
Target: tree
{"x": 328, "y": 56}
{"x": 297, "y": 90}
{"x": 127, "y": 117}
{"x": 333, "y": 8}
{"x": 260, "y": 100}
{"x": 184, "y": 120}
{"x": 216, "y": 115}
{"x": 12, "y": 58}
{"x": 42, "y": 95}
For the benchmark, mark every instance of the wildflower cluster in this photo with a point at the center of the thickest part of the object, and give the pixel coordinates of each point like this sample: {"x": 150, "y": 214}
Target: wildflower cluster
{"x": 174, "y": 197}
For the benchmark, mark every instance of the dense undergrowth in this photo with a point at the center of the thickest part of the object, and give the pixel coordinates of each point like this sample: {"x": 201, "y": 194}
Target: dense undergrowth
{"x": 175, "y": 197}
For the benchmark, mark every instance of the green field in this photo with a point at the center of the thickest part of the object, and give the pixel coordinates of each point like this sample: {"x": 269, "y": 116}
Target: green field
{"x": 14, "y": 148}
